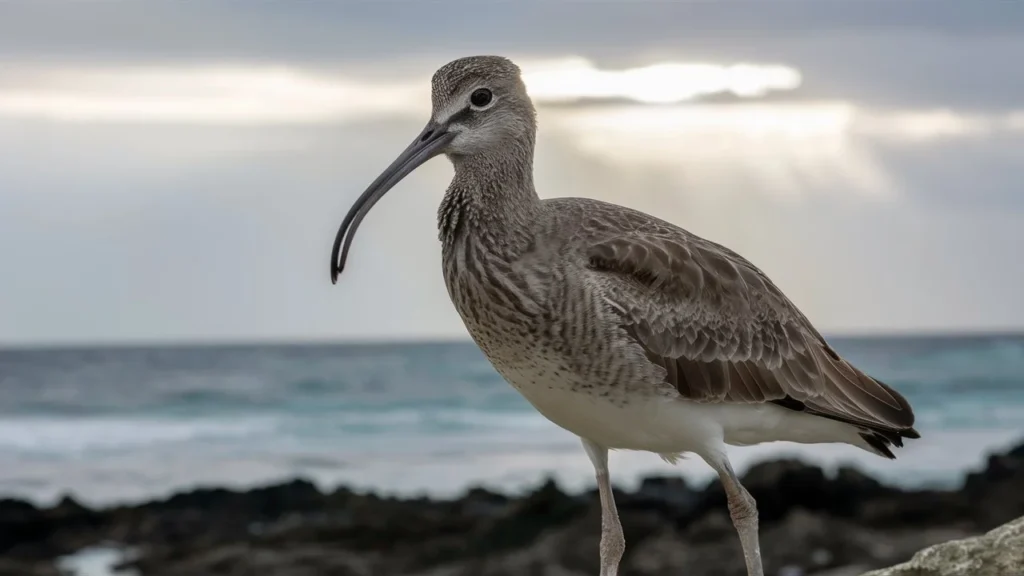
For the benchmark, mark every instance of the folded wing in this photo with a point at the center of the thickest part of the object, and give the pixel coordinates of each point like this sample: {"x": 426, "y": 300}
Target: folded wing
{"x": 724, "y": 332}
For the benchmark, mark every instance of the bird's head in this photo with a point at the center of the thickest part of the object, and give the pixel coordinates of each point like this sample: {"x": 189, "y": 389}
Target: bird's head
{"x": 479, "y": 108}
{"x": 482, "y": 102}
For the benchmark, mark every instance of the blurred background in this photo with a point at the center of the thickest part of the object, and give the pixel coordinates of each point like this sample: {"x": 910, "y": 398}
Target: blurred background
{"x": 172, "y": 175}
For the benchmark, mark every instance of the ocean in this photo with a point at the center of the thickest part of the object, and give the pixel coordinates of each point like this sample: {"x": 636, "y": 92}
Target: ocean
{"x": 112, "y": 425}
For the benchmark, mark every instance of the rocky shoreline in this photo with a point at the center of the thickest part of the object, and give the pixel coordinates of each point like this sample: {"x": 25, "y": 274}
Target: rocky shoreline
{"x": 810, "y": 524}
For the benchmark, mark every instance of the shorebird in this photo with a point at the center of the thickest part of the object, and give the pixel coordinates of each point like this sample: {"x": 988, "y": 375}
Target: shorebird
{"x": 622, "y": 328}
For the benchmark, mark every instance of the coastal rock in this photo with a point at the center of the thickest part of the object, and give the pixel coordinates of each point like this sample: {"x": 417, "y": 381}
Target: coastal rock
{"x": 28, "y": 532}
{"x": 997, "y": 490}
{"x": 16, "y": 568}
{"x": 522, "y": 522}
{"x": 667, "y": 494}
{"x": 272, "y": 501}
{"x": 801, "y": 544}
{"x": 303, "y": 560}
{"x": 21, "y": 524}
{"x": 812, "y": 524}
{"x": 782, "y": 485}
{"x": 999, "y": 552}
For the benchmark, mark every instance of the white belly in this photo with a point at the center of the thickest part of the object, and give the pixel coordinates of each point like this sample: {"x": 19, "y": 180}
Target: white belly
{"x": 667, "y": 425}
{"x": 648, "y": 422}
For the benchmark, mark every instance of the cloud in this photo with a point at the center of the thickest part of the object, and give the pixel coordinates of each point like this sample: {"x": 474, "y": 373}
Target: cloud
{"x": 879, "y": 52}
{"x": 281, "y": 94}
{"x": 278, "y": 94}
{"x": 793, "y": 149}
{"x": 366, "y": 30}
{"x": 201, "y": 94}
{"x": 576, "y": 79}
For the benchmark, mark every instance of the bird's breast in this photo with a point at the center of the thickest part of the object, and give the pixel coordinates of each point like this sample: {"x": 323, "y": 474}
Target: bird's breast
{"x": 502, "y": 307}
{"x": 540, "y": 327}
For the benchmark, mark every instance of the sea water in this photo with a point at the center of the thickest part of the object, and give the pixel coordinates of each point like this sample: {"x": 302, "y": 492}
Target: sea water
{"x": 128, "y": 424}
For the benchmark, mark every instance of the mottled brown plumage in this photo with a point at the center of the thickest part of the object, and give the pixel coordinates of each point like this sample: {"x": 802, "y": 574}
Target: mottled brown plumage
{"x": 621, "y": 328}
{"x": 724, "y": 332}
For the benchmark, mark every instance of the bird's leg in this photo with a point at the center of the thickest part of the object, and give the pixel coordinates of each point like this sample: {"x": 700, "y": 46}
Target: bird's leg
{"x": 613, "y": 544}
{"x": 743, "y": 510}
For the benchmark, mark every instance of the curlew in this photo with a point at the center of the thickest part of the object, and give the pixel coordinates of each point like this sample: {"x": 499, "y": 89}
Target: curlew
{"x": 623, "y": 329}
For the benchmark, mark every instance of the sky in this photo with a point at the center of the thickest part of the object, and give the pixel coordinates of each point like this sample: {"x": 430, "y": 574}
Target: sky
{"x": 176, "y": 171}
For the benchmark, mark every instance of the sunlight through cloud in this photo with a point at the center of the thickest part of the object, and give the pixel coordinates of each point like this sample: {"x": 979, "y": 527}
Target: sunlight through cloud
{"x": 267, "y": 95}
{"x": 576, "y": 79}
{"x": 278, "y": 94}
{"x": 205, "y": 95}
{"x": 927, "y": 125}
{"x": 788, "y": 150}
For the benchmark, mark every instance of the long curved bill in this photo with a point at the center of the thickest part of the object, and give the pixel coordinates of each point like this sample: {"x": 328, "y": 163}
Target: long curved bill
{"x": 428, "y": 144}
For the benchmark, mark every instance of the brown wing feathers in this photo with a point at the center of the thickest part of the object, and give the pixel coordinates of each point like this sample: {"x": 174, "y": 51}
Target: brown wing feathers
{"x": 723, "y": 332}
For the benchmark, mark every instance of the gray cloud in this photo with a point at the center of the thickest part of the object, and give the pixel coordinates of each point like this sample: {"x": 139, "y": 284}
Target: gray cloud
{"x": 358, "y": 30}
{"x": 917, "y": 51}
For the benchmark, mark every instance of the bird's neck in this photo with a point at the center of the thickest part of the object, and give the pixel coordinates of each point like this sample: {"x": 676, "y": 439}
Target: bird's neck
{"x": 491, "y": 200}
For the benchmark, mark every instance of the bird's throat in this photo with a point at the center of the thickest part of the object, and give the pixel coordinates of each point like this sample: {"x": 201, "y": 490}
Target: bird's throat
{"x": 491, "y": 199}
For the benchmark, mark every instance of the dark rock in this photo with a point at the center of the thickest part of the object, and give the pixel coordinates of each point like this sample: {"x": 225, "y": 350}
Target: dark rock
{"x": 524, "y": 520}
{"x": 999, "y": 468}
{"x": 810, "y": 522}
{"x": 782, "y": 485}
{"x": 801, "y": 543}
{"x": 16, "y": 509}
{"x": 69, "y": 507}
{"x": 850, "y": 487}
{"x": 244, "y": 559}
{"x": 996, "y": 493}
{"x": 921, "y": 508}
{"x": 713, "y": 526}
{"x": 11, "y": 567}
{"x": 25, "y": 531}
{"x": 779, "y": 486}
{"x": 668, "y": 494}
{"x": 1017, "y": 452}
{"x": 263, "y": 502}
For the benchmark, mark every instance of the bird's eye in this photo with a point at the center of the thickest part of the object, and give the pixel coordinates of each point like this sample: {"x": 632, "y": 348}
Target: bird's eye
{"x": 481, "y": 97}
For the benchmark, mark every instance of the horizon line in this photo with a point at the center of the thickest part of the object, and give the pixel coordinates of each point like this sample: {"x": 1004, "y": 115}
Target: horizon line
{"x": 241, "y": 342}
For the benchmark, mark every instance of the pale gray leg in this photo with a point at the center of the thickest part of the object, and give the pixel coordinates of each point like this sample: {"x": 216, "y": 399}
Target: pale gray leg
{"x": 743, "y": 510}
{"x": 613, "y": 544}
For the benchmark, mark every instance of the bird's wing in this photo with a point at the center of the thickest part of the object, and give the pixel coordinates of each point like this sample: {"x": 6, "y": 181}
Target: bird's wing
{"x": 724, "y": 332}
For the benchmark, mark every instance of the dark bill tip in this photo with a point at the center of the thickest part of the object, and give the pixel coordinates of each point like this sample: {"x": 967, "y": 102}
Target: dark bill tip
{"x": 429, "y": 143}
